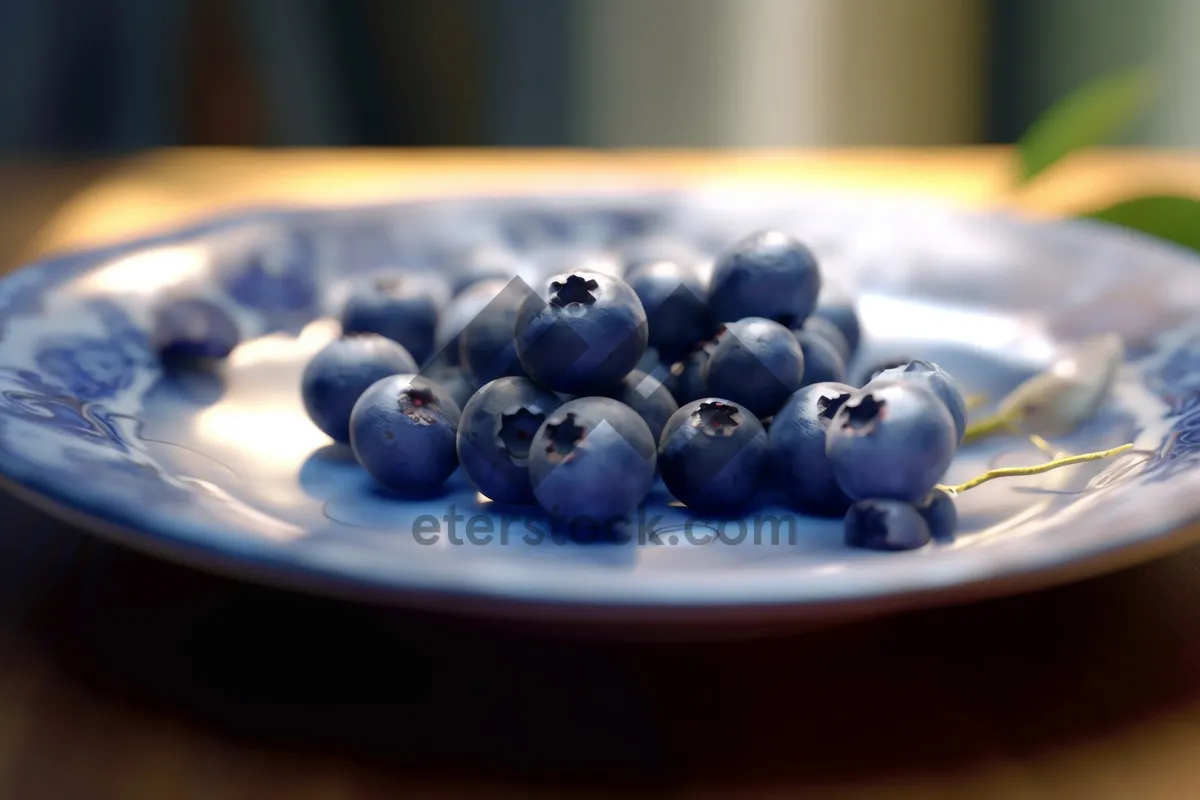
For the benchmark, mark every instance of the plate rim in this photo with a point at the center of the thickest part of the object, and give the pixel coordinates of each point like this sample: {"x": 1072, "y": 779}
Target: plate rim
{"x": 291, "y": 576}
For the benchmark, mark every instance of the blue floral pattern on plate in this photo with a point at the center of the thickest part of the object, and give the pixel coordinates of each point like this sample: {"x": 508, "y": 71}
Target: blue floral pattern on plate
{"x": 26, "y": 397}
{"x": 273, "y": 272}
{"x": 227, "y": 473}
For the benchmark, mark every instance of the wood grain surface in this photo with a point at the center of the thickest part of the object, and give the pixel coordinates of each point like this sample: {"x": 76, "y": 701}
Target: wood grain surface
{"x": 122, "y": 677}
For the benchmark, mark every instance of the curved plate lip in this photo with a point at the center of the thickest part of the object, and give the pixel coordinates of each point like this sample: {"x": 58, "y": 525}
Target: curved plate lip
{"x": 507, "y": 596}
{"x": 602, "y": 611}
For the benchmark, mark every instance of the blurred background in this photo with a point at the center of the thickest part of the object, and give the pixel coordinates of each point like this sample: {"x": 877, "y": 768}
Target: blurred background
{"x": 95, "y": 77}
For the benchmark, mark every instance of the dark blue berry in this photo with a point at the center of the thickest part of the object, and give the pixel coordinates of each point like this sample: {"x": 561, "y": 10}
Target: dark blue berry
{"x": 649, "y": 361}
{"x": 885, "y": 525}
{"x": 819, "y": 326}
{"x": 592, "y": 463}
{"x": 711, "y": 456}
{"x": 459, "y": 312}
{"x": 455, "y": 380}
{"x": 770, "y": 275}
{"x": 796, "y": 440}
{"x": 403, "y": 431}
{"x": 843, "y": 315}
{"x": 403, "y": 308}
{"x": 654, "y": 366}
{"x": 345, "y": 368}
{"x": 940, "y": 514}
{"x": 647, "y": 396}
{"x": 869, "y": 373}
{"x": 686, "y": 382}
{"x": 193, "y": 328}
{"x": 486, "y": 346}
{"x": 674, "y": 300}
{"x": 939, "y": 381}
{"x": 891, "y": 440}
{"x": 582, "y": 332}
{"x": 496, "y": 432}
{"x": 822, "y": 364}
{"x": 756, "y": 362}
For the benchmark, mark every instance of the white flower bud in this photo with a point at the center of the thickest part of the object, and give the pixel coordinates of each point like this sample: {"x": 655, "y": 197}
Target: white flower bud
{"x": 1055, "y": 402}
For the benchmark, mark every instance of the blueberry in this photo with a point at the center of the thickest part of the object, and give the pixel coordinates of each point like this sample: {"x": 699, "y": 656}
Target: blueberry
{"x": 686, "y": 382}
{"x": 768, "y": 274}
{"x": 676, "y": 313}
{"x": 496, "y": 432}
{"x": 653, "y": 365}
{"x": 193, "y": 328}
{"x": 490, "y": 263}
{"x": 486, "y": 348}
{"x": 843, "y": 315}
{"x": 822, "y": 364}
{"x": 891, "y": 440}
{"x": 648, "y": 397}
{"x": 344, "y": 369}
{"x": 870, "y": 373}
{"x": 459, "y": 312}
{"x": 455, "y": 380}
{"x": 885, "y": 525}
{"x": 592, "y": 462}
{"x": 940, "y": 514}
{"x": 583, "y": 331}
{"x": 403, "y": 431}
{"x": 403, "y": 308}
{"x": 756, "y": 362}
{"x": 796, "y": 440}
{"x": 819, "y": 326}
{"x": 711, "y": 455}
{"x": 940, "y": 382}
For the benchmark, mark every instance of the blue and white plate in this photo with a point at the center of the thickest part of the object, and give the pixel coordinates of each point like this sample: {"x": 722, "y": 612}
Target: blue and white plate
{"x": 224, "y": 471}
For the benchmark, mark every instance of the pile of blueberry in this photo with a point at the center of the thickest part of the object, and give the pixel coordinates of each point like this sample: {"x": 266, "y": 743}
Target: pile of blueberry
{"x": 577, "y": 390}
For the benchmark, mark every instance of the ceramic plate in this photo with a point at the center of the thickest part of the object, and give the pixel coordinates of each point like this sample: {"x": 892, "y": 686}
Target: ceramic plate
{"x": 224, "y": 471}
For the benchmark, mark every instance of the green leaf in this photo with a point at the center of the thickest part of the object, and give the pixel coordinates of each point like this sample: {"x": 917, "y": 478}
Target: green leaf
{"x": 1175, "y": 219}
{"x": 1090, "y": 115}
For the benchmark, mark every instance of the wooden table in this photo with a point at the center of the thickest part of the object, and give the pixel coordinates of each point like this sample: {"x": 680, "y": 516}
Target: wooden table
{"x": 122, "y": 677}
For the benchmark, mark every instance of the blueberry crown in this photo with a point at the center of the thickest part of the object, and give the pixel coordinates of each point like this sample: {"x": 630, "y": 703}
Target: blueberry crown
{"x": 418, "y": 404}
{"x": 827, "y": 407}
{"x": 564, "y": 436}
{"x": 717, "y": 419}
{"x": 861, "y": 414}
{"x": 517, "y": 430}
{"x": 575, "y": 290}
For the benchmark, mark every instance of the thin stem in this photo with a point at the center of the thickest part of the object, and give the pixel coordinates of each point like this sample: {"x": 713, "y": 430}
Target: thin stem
{"x": 1036, "y": 469}
{"x": 1044, "y": 446}
{"x": 974, "y": 401}
{"x": 987, "y": 426}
